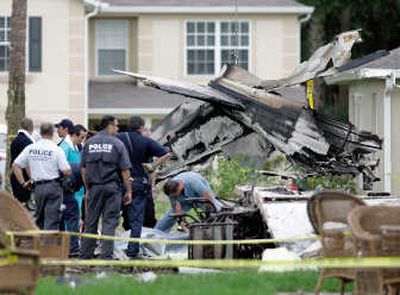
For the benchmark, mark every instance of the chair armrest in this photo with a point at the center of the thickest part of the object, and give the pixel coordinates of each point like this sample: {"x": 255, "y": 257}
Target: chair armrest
{"x": 202, "y": 201}
{"x": 21, "y": 236}
{"x": 367, "y": 237}
{"x": 199, "y": 200}
{"x": 183, "y": 215}
{"x": 52, "y": 233}
{"x": 25, "y": 252}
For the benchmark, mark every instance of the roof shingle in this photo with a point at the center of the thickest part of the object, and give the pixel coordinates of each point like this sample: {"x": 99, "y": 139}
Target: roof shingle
{"x": 380, "y": 59}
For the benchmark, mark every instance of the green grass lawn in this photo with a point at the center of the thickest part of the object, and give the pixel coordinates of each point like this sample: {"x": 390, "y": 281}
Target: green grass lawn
{"x": 173, "y": 284}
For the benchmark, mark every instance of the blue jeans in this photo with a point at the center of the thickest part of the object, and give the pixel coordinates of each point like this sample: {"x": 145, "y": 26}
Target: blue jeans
{"x": 141, "y": 194}
{"x": 71, "y": 220}
{"x": 167, "y": 221}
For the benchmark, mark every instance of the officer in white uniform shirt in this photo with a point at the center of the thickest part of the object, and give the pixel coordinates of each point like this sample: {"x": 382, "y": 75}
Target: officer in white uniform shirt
{"x": 45, "y": 161}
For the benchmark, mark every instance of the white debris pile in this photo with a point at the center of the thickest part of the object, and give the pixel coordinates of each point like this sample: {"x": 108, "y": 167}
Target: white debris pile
{"x": 154, "y": 249}
{"x": 278, "y": 255}
{"x": 146, "y": 277}
{"x": 196, "y": 270}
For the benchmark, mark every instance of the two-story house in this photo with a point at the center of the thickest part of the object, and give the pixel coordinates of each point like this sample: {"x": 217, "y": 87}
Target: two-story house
{"x": 73, "y": 45}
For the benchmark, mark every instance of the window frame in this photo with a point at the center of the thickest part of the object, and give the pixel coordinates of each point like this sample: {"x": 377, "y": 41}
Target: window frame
{"x": 217, "y": 47}
{"x": 97, "y": 48}
{"x": 27, "y": 45}
{"x": 7, "y": 44}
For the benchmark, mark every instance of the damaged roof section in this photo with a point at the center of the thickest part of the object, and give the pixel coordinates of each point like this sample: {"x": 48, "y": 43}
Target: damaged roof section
{"x": 239, "y": 106}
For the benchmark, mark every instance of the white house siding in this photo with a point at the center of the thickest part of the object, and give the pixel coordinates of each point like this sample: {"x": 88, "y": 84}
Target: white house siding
{"x": 366, "y": 112}
{"x": 396, "y": 141}
{"x": 58, "y": 90}
{"x": 158, "y": 47}
{"x": 274, "y": 44}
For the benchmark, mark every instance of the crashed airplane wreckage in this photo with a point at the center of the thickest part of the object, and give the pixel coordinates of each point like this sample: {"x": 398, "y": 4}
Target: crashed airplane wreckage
{"x": 239, "y": 113}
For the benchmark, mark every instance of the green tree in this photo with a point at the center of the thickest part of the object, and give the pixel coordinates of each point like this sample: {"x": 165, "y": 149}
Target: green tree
{"x": 379, "y": 21}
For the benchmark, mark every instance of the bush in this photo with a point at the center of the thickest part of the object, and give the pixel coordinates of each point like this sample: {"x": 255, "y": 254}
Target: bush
{"x": 338, "y": 182}
{"x": 227, "y": 174}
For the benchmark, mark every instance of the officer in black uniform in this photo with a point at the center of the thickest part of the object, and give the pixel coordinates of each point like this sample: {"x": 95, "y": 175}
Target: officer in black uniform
{"x": 104, "y": 159}
{"x": 140, "y": 149}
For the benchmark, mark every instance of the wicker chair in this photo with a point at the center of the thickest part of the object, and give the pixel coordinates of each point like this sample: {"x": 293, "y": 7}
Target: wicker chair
{"x": 328, "y": 212}
{"x": 14, "y": 217}
{"x": 21, "y": 275}
{"x": 377, "y": 231}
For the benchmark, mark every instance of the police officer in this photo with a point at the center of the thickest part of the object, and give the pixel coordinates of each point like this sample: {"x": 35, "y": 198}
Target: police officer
{"x": 104, "y": 159}
{"x": 140, "y": 149}
{"x": 45, "y": 161}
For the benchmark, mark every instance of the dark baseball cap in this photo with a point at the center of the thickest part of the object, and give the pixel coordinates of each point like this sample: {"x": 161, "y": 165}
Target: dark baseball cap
{"x": 65, "y": 123}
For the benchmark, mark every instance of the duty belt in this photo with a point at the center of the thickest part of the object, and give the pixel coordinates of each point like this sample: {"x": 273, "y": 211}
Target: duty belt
{"x": 47, "y": 181}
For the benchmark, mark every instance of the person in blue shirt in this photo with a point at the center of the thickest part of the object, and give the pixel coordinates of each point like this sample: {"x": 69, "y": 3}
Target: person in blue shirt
{"x": 64, "y": 128}
{"x": 140, "y": 149}
{"x": 182, "y": 187}
{"x": 73, "y": 153}
{"x": 71, "y": 145}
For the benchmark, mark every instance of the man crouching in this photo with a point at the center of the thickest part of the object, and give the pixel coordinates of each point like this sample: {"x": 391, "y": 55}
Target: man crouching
{"x": 181, "y": 188}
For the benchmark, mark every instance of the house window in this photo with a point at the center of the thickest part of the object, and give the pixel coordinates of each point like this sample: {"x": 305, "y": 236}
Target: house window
{"x": 5, "y": 35}
{"x": 111, "y": 46}
{"x": 200, "y": 40}
{"x": 34, "y": 43}
{"x": 210, "y": 45}
{"x": 235, "y": 36}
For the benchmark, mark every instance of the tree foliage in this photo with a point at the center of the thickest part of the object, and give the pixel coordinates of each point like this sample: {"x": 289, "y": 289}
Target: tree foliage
{"x": 378, "y": 19}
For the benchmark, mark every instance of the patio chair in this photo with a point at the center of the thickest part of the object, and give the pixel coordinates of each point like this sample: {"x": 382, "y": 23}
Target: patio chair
{"x": 14, "y": 217}
{"x": 327, "y": 211}
{"x": 377, "y": 232}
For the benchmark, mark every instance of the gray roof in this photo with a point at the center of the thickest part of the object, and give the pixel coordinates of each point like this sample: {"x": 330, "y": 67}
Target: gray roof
{"x": 375, "y": 65}
{"x": 386, "y": 60}
{"x": 276, "y": 3}
{"x": 126, "y": 95}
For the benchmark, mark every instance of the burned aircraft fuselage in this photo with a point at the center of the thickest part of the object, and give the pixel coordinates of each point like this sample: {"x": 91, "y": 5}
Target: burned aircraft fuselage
{"x": 239, "y": 113}
{"x": 319, "y": 144}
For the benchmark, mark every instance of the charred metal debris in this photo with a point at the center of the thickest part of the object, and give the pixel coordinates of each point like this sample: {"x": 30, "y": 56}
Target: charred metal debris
{"x": 240, "y": 113}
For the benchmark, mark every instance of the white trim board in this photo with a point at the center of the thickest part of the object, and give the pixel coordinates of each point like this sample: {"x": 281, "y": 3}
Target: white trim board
{"x": 208, "y": 9}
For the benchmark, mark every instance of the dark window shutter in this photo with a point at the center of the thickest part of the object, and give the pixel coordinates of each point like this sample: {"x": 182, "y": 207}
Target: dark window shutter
{"x": 35, "y": 44}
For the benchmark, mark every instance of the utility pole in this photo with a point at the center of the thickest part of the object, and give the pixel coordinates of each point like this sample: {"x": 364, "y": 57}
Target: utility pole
{"x": 16, "y": 76}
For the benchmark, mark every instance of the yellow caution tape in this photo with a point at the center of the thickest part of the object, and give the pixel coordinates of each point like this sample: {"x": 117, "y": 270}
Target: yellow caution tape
{"x": 9, "y": 260}
{"x": 182, "y": 242}
{"x": 4, "y": 252}
{"x": 370, "y": 262}
{"x": 12, "y": 259}
{"x": 310, "y": 87}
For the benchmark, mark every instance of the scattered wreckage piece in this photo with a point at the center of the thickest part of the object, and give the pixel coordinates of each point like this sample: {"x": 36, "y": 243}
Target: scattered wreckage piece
{"x": 324, "y": 61}
{"x": 285, "y": 214}
{"x": 238, "y": 220}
